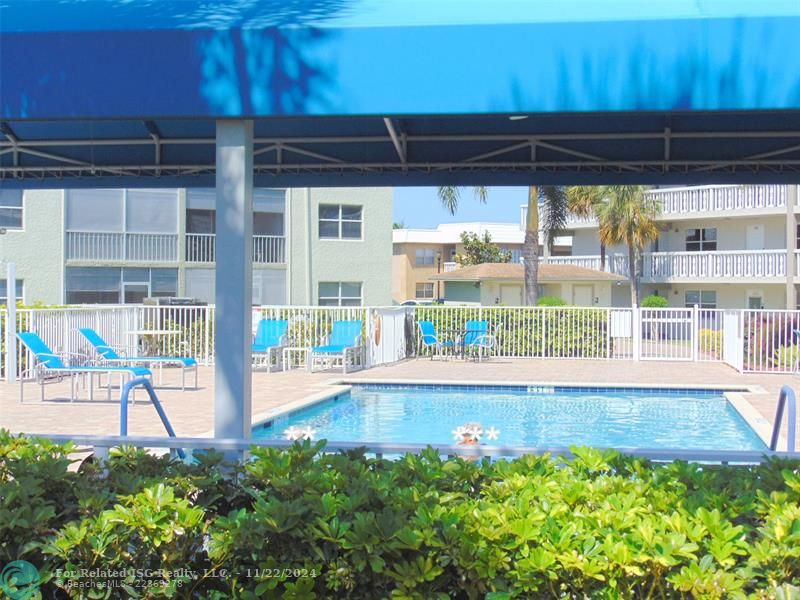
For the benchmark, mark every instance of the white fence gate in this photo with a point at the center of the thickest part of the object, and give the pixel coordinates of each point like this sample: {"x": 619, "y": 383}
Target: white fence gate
{"x": 733, "y": 339}
{"x": 668, "y": 333}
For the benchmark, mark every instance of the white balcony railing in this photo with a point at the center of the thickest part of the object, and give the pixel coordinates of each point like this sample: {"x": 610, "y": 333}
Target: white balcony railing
{"x": 449, "y": 266}
{"x": 105, "y": 246}
{"x": 665, "y": 266}
{"x": 661, "y": 266}
{"x": 615, "y": 263}
{"x": 709, "y": 199}
{"x": 267, "y": 249}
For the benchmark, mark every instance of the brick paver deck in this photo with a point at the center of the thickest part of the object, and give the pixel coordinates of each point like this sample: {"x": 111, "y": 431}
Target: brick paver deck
{"x": 191, "y": 412}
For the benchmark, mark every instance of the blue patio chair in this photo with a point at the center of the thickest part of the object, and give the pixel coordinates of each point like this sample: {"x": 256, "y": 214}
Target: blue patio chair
{"x": 478, "y": 340}
{"x": 344, "y": 343}
{"x": 118, "y": 355}
{"x": 48, "y": 364}
{"x": 430, "y": 339}
{"x": 271, "y": 338}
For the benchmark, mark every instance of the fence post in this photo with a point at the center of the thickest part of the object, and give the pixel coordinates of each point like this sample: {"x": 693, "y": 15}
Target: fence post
{"x": 636, "y": 333}
{"x": 695, "y": 333}
{"x": 11, "y": 322}
{"x": 206, "y": 333}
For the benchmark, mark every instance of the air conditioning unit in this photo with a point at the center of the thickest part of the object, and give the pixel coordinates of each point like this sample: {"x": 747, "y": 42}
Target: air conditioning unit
{"x": 172, "y": 301}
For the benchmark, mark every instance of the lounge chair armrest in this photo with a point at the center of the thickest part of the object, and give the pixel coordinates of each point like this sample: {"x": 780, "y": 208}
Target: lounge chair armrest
{"x": 121, "y": 350}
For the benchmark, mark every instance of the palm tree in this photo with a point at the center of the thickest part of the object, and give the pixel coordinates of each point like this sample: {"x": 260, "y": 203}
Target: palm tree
{"x": 627, "y": 216}
{"x": 553, "y": 220}
{"x": 554, "y": 201}
{"x": 583, "y": 201}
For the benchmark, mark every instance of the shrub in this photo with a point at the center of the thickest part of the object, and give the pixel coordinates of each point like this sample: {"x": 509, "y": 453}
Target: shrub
{"x": 786, "y": 357}
{"x": 532, "y": 331}
{"x": 654, "y": 301}
{"x": 299, "y": 523}
{"x": 710, "y": 341}
{"x": 551, "y": 301}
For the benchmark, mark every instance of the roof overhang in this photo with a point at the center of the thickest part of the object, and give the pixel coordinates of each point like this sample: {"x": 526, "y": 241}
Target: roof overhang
{"x": 369, "y": 92}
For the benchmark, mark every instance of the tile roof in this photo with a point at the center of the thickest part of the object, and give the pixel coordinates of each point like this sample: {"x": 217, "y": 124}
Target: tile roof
{"x": 515, "y": 271}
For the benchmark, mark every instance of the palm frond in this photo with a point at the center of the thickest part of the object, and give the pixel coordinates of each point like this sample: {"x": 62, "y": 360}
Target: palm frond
{"x": 555, "y": 212}
{"x": 449, "y": 196}
{"x": 584, "y": 199}
{"x": 481, "y": 193}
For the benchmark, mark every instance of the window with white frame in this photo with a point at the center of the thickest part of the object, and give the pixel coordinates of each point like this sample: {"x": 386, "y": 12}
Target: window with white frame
{"x": 11, "y": 209}
{"x": 424, "y": 291}
{"x": 340, "y": 222}
{"x": 701, "y": 240}
{"x": 426, "y": 257}
{"x": 339, "y": 293}
{"x": 4, "y": 291}
{"x": 701, "y": 298}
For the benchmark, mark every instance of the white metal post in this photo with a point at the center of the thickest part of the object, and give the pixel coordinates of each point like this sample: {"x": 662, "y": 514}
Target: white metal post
{"x": 636, "y": 332}
{"x": 695, "y": 332}
{"x": 234, "y": 280}
{"x": 11, "y": 322}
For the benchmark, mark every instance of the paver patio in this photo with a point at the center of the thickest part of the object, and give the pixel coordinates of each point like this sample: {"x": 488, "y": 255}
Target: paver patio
{"x": 191, "y": 412}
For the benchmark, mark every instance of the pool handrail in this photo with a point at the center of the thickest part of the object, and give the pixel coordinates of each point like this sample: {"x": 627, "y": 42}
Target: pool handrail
{"x": 786, "y": 396}
{"x": 123, "y": 409}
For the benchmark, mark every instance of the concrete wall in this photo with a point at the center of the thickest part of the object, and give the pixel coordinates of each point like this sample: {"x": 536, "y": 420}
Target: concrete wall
{"x": 731, "y": 233}
{"x": 38, "y": 248}
{"x": 729, "y": 295}
{"x": 406, "y": 274}
{"x": 368, "y": 260}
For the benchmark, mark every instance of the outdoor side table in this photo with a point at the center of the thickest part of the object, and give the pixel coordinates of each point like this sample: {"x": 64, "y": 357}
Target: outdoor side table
{"x": 296, "y": 356}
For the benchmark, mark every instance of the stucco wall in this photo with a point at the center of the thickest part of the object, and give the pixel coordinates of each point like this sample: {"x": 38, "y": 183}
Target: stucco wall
{"x": 368, "y": 260}
{"x": 457, "y": 292}
{"x": 38, "y": 249}
{"x": 728, "y": 295}
{"x": 731, "y": 233}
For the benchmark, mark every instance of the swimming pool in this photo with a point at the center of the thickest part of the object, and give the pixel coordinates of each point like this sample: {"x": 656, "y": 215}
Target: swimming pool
{"x": 526, "y": 416}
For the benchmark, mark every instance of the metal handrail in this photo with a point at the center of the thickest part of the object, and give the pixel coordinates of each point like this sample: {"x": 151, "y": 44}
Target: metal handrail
{"x": 123, "y": 409}
{"x": 785, "y": 397}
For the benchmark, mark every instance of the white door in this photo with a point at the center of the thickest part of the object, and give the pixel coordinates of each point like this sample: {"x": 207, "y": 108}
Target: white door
{"x": 755, "y": 237}
{"x": 511, "y": 295}
{"x": 583, "y": 295}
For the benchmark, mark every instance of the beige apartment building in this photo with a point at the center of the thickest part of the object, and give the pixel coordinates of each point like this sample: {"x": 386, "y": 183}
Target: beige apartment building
{"x": 421, "y": 254}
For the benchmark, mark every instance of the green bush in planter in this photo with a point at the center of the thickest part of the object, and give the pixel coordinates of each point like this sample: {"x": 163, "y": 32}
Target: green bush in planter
{"x": 298, "y": 523}
{"x": 551, "y": 301}
{"x": 654, "y": 301}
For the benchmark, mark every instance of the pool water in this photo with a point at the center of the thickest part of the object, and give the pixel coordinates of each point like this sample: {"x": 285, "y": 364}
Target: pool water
{"x": 544, "y": 417}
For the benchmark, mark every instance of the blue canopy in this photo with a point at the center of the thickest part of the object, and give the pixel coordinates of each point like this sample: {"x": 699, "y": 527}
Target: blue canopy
{"x": 351, "y": 92}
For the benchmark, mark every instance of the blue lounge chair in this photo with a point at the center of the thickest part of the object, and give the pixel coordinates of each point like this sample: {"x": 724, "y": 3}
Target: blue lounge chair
{"x": 48, "y": 364}
{"x": 430, "y": 339}
{"x": 117, "y": 356}
{"x": 271, "y": 339}
{"x": 478, "y": 340}
{"x": 344, "y": 343}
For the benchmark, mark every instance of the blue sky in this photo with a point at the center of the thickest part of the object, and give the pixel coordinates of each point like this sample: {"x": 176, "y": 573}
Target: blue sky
{"x": 420, "y": 206}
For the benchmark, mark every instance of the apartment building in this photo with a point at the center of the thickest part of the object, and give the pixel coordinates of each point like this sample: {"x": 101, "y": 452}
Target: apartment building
{"x": 420, "y": 254}
{"x": 326, "y": 246}
{"x": 727, "y": 246}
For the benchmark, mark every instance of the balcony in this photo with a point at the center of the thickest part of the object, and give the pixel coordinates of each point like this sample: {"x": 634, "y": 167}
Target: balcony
{"x": 267, "y": 249}
{"x": 696, "y": 201}
{"x": 447, "y": 267}
{"x": 102, "y": 246}
{"x": 691, "y": 266}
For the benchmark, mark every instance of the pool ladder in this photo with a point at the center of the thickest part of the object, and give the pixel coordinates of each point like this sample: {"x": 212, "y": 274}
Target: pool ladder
{"x": 785, "y": 397}
{"x": 123, "y": 408}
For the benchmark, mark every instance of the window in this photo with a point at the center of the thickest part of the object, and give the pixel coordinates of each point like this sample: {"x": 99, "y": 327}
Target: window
{"x": 701, "y": 240}
{"x": 4, "y": 291}
{"x": 11, "y": 209}
{"x": 338, "y": 221}
{"x": 426, "y": 257}
{"x": 702, "y": 298}
{"x": 112, "y": 285}
{"x": 339, "y": 294}
{"x": 200, "y": 220}
{"x": 424, "y": 291}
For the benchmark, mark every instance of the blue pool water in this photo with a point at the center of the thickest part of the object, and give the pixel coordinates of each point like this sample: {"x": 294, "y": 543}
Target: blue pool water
{"x": 600, "y": 417}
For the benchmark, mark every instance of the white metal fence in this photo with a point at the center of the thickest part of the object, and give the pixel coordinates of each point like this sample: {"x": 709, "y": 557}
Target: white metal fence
{"x": 119, "y": 246}
{"x": 267, "y": 249}
{"x": 749, "y": 340}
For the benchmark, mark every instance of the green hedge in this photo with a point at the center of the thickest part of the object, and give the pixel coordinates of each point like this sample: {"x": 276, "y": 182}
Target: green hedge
{"x": 342, "y": 525}
{"x": 549, "y": 332}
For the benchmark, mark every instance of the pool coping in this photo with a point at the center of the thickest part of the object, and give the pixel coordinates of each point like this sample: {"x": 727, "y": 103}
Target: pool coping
{"x": 734, "y": 393}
